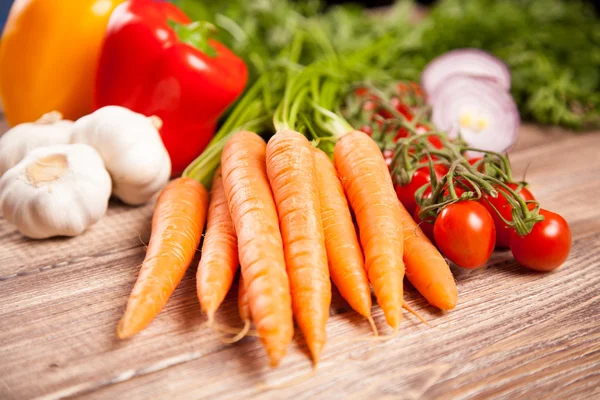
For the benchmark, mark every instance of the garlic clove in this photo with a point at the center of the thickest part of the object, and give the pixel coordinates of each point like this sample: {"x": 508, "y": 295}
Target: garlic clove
{"x": 132, "y": 150}
{"x": 17, "y": 142}
{"x": 57, "y": 190}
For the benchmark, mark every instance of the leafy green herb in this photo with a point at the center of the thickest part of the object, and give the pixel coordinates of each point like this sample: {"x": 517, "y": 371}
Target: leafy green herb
{"x": 551, "y": 46}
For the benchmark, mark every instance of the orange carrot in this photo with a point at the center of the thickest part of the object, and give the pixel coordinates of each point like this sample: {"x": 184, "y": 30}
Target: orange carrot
{"x": 369, "y": 189}
{"x": 291, "y": 171}
{"x": 219, "y": 260}
{"x": 426, "y": 269}
{"x": 346, "y": 261}
{"x": 177, "y": 226}
{"x": 243, "y": 306}
{"x": 259, "y": 241}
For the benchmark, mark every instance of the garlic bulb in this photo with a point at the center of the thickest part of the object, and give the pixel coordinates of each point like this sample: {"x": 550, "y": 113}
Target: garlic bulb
{"x": 20, "y": 140}
{"x": 55, "y": 190}
{"x": 131, "y": 148}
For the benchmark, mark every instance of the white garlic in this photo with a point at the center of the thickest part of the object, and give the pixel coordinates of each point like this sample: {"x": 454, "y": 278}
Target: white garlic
{"x": 131, "y": 148}
{"x": 55, "y": 190}
{"x": 20, "y": 140}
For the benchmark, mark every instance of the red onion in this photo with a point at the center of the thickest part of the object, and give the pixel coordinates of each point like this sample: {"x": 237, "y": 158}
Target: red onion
{"x": 469, "y": 62}
{"x": 482, "y": 111}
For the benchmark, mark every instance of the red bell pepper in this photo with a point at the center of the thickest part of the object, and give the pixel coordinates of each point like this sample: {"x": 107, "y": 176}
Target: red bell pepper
{"x": 156, "y": 62}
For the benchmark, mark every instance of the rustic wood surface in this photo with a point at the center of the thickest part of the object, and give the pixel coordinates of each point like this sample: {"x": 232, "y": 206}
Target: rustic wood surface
{"x": 514, "y": 334}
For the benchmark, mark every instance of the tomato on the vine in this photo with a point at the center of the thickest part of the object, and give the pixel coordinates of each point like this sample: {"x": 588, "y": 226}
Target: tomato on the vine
{"x": 546, "y": 247}
{"x": 503, "y": 232}
{"x": 465, "y": 233}
{"x": 402, "y": 108}
{"x": 406, "y": 193}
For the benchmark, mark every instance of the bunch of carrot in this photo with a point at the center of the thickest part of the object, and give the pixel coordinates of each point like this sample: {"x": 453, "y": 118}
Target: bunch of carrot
{"x": 285, "y": 213}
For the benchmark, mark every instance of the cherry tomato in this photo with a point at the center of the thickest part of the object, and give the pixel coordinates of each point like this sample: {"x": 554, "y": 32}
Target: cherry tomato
{"x": 369, "y": 105}
{"x": 368, "y": 129}
{"x": 410, "y": 88}
{"x": 546, "y": 247}
{"x": 402, "y": 108}
{"x": 503, "y": 232}
{"x": 402, "y": 133}
{"x": 361, "y": 92}
{"x": 464, "y": 232}
{"x": 474, "y": 160}
{"x": 425, "y": 225}
{"x": 406, "y": 193}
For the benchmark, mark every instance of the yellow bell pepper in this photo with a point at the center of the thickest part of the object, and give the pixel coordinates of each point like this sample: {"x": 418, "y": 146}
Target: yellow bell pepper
{"x": 48, "y": 57}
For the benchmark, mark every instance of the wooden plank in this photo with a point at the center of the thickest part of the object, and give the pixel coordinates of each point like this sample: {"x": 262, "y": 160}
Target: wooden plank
{"x": 515, "y": 333}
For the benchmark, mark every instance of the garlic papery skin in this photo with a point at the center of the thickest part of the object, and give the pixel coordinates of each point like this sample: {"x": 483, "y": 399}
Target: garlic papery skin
{"x": 20, "y": 140}
{"x": 57, "y": 190}
{"x": 132, "y": 150}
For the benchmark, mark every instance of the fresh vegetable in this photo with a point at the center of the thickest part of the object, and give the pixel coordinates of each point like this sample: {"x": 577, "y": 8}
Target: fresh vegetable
{"x": 344, "y": 255}
{"x": 368, "y": 187}
{"x": 465, "y": 233}
{"x": 553, "y": 55}
{"x": 293, "y": 179}
{"x": 17, "y": 142}
{"x": 177, "y": 226}
{"x": 406, "y": 193}
{"x": 482, "y": 112}
{"x": 546, "y": 247}
{"x": 260, "y": 247}
{"x": 219, "y": 260}
{"x": 131, "y": 148}
{"x": 426, "y": 269}
{"x": 243, "y": 305}
{"x": 49, "y": 56}
{"x": 500, "y": 209}
{"x": 155, "y": 62}
{"x": 57, "y": 190}
{"x": 473, "y": 63}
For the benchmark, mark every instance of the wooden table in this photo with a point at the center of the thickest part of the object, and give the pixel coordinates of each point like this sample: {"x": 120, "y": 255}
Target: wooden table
{"x": 514, "y": 334}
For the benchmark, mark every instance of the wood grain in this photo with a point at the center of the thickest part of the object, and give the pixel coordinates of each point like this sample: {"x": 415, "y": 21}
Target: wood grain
{"x": 514, "y": 334}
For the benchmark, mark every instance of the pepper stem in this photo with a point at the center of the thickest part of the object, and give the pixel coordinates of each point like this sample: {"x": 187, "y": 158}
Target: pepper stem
{"x": 196, "y": 34}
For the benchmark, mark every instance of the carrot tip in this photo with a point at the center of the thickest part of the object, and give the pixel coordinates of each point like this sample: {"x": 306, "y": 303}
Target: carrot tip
{"x": 413, "y": 312}
{"x": 239, "y": 336}
{"x": 211, "y": 318}
{"x": 373, "y": 326}
{"x": 123, "y": 332}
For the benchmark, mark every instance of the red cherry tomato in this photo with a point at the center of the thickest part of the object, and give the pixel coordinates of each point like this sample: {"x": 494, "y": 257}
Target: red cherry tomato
{"x": 474, "y": 160}
{"x": 368, "y": 129}
{"x": 425, "y": 225}
{"x": 464, "y": 232}
{"x": 406, "y": 193}
{"x": 402, "y": 133}
{"x": 410, "y": 88}
{"x": 369, "y": 105}
{"x": 401, "y": 108}
{"x": 503, "y": 232}
{"x": 546, "y": 247}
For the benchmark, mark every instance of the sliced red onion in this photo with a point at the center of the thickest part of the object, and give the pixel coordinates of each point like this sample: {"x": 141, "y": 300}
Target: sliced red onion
{"x": 469, "y": 62}
{"x": 484, "y": 114}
